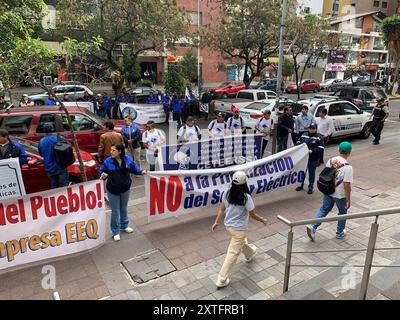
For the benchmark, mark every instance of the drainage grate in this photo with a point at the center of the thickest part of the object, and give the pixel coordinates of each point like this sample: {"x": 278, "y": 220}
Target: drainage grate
{"x": 148, "y": 266}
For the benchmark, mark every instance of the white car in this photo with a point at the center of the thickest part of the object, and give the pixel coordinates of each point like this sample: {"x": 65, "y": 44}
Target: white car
{"x": 75, "y": 92}
{"x": 254, "y": 111}
{"x": 348, "y": 119}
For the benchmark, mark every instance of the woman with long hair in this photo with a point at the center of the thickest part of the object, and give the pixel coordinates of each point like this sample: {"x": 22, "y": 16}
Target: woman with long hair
{"x": 237, "y": 206}
{"x": 116, "y": 169}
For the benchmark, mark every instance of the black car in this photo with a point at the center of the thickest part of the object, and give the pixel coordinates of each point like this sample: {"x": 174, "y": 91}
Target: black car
{"x": 269, "y": 84}
{"x": 363, "y": 97}
{"x": 358, "y": 81}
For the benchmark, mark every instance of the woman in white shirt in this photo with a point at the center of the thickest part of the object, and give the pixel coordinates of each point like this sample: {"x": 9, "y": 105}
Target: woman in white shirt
{"x": 153, "y": 139}
{"x": 237, "y": 206}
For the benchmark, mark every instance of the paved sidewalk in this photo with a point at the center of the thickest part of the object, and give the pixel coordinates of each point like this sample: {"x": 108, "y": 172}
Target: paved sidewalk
{"x": 196, "y": 253}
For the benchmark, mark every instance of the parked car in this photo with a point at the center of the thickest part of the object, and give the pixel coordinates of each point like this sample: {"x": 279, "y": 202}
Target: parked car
{"x": 307, "y": 85}
{"x": 35, "y": 177}
{"x": 269, "y": 84}
{"x": 357, "y": 80}
{"x": 141, "y": 90}
{"x": 348, "y": 118}
{"x": 75, "y": 92}
{"x": 28, "y": 123}
{"x": 243, "y": 98}
{"x": 227, "y": 89}
{"x": 363, "y": 97}
{"x": 254, "y": 111}
{"x": 327, "y": 84}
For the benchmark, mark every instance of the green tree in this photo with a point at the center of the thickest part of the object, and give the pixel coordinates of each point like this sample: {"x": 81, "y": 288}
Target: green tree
{"x": 188, "y": 67}
{"x": 310, "y": 41}
{"x": 391, "y": 31}
{"x": 287, "y": 67}
{"x": 122, "y": 30}
{"x": 247, "y": 32}
{"x": 174, "y": 81}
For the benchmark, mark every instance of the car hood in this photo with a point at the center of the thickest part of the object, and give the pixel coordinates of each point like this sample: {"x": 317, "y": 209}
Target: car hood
{"x": 86, "y": 156}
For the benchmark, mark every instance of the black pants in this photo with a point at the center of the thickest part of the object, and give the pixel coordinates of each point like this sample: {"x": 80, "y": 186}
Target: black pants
{"x": 166, "y": 111}
{"x": 178, "y": 117}
{"x": 321, "y": 154}
{"x": 282, "y": 143}
{"x": 376, "y": 129}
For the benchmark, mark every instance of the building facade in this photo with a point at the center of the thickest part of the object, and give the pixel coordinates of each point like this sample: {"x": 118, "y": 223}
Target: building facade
{"x": 339, "y": 8}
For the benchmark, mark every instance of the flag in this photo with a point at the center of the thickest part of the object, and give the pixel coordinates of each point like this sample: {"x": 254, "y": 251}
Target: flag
{"x": 187, "y": 95}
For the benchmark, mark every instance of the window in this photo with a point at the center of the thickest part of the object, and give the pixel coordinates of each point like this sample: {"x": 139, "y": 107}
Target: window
{"x": 261, "y": 96}
{"x": 384, "y": 4}
{"x": 376, "y": 4}
{"x": 359, "y": 22}
{"x": 55, "y": 119}
{"x": 16, "y": 124}
{"x": 336, "y": 109}
{"x": 79, "y": 122}
{"x": 245, "y": 95}
{"x": 349, "y": 109}
{"x": 194, "y": 18}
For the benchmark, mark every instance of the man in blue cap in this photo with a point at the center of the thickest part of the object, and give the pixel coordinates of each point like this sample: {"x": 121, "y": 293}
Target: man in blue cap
{"x": 341, "y": 195}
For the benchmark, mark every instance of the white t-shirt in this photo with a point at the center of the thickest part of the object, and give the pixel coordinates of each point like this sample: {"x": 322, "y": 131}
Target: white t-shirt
{"x": 237, "y": 217}
{"x": 344, "y": 174}
{"x": 190, "y": 134}
{"x": 235, "y": 125}
{"x": 265, "y": 126}
{"x": 153, "y": 139}
{"x": 217, "y": 128}
{"x": 325, "y": 126}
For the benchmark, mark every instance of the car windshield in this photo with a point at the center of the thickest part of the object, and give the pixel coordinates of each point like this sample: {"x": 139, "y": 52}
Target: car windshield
{"x": 260, "y": 106}
{"x": 93, "y": 115}
{"x": 376, "y": 94}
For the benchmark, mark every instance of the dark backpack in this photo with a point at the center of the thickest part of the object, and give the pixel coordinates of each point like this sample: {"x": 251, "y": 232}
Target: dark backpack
{"x": 326, "y": 181}
{"x": 63, "y": 152}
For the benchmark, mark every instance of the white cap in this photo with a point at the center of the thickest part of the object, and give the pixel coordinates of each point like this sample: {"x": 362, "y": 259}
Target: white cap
{"x": 239, "y": 177}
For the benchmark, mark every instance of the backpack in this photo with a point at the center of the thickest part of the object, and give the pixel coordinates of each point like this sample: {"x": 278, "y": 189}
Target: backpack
{"x": 197, "y": 131}
{"x": 231, "y": 119}
{"x": 326, "y": 180}
{"x": 214, "y": 122}
{"x": 63, "y": 152}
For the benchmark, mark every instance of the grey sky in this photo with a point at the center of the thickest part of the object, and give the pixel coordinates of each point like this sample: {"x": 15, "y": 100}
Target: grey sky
{"x": 315, "y": 5}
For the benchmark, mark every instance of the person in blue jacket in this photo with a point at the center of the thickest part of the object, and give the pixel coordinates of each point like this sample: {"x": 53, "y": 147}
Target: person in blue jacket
{"x": 177, "y": 109}
{"x": 116, "y": 170}
{"x": 122, "y": 98}
{"x": 152, "y": 99}
{"x": 51, "y": 100}
{"x": 58, "y": 176}
{"x": 11, "y": 149}
{"x": 106, "y": 101}
{"x": 132, "y": 136}
{"x": 166, "y": 102}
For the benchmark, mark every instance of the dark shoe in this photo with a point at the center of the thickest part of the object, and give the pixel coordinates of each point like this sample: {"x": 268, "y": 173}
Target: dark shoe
{"x": 299, "y": 188}
{"x": 309, "y": 191}
{"x": 375, "y": 142}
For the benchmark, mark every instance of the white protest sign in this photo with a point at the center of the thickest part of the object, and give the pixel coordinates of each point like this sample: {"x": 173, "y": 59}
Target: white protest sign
{"x": 47, "y": 225}
{"x": 12, "y": 184}
{"x": 175, "y": 193}
{"x": 141, "y": 114}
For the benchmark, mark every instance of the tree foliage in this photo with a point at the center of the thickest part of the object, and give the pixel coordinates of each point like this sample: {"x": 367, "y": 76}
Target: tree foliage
{"x": 310, "y": 40}
{"x": 122, "y": 30}
{"x": 391, "y": 32}
{"x": 174, "y": 81}
{"x": 248, "y": 31}
{"x": 188, "y": 67}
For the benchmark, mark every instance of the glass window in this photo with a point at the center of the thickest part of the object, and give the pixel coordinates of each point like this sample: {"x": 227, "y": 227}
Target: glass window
{"x": 54, "y": 119}
{"x": 16, "y": 124}
{"x": 60, "y": 90}
{"x": 349, "y": 109}
{"x": 261, "y": 96}
{"x": 359, "y": 22}
{"x": 336, "y": 109}
{"x": 271, "y": 94}
{"x": 79, "y": 122}
{"x": 376, "y": 4}
{"x": 245, "y": 95}
{"x": 384, "y": 4}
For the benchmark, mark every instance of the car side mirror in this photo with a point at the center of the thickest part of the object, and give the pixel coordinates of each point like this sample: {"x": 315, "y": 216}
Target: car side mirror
{"x": 33, "y": 162}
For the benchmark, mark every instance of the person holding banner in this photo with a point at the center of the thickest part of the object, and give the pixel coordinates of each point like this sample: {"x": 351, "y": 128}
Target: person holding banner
{"x": 189, "y": 132}
{"x": 116, "y": 169}
{"x": 237, "y": 206}
{"x": 264, "y": 126}
{"x": 153, "y": 139}
{"x": 235, "y": 123}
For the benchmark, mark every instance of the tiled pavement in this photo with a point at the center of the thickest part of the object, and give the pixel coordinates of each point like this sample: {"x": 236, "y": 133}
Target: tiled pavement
{"x": 197, "y": 253}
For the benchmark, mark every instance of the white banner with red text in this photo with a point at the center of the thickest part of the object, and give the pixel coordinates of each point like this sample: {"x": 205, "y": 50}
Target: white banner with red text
{"x": 47, "y": 225}
{"x": 175, "y": 193}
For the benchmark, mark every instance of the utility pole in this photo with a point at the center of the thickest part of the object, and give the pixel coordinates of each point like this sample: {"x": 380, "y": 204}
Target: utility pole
{"x": 198, "y": 48}
{"x": 281, "y": 45}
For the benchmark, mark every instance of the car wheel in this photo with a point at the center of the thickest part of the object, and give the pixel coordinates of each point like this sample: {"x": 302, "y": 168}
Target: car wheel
{"x": 366, "y": 131}
{"x": 73, "y": 180}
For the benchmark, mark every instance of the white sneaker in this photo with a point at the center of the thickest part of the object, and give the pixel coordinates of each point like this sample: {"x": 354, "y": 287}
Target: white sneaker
{"x": 117, "y": 237}
{"x": 221, "y": 284}
{"x": 254, "y": 252}
{"x": 311, "y": 232}
{"x": 128, "y": 230}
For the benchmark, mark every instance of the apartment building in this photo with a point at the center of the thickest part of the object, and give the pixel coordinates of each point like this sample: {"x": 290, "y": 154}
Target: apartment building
{"x": 339, "y": 8}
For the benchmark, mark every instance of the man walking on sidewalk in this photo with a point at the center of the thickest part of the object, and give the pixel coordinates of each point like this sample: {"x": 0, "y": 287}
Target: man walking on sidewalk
{"x": 380, "y": 113}
{"x": 341, "y": 196}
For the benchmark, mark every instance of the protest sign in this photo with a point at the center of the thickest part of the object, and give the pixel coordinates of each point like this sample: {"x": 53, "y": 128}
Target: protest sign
{"x": 210, "y": 154}
{"x": 142, "y": 113}
{"x": 12, "y": 184}
{"x": 175, "y": 193}
{"x": 62, "y": 221}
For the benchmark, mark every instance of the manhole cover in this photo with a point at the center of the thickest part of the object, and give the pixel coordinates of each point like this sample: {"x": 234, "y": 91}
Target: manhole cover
{"x": 148, "y": 266}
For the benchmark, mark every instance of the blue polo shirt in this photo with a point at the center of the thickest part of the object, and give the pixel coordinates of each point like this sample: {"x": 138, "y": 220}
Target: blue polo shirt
{"x": 304, "y": 121}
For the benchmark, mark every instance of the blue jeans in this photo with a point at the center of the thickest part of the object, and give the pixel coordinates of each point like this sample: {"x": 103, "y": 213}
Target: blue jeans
{"x": 58, "y": 179}
{"x": 119, "y": 211}
{"x": 327, "y": 206}
{"x": 311, "y": 168}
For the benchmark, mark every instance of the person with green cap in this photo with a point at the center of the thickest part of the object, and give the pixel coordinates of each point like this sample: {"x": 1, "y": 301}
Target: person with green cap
{"x": 341, "y": 196}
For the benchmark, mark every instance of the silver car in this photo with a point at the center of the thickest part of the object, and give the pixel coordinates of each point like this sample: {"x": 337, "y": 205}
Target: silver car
{"x": 75, "y": 93}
